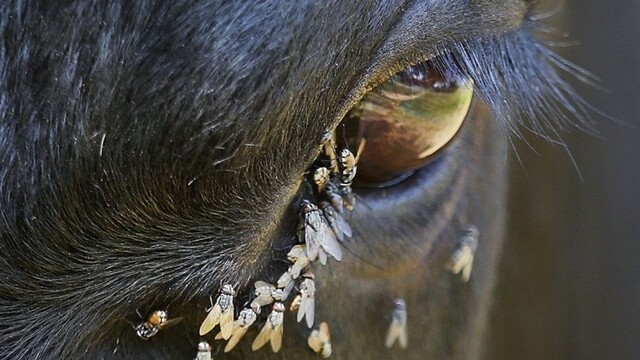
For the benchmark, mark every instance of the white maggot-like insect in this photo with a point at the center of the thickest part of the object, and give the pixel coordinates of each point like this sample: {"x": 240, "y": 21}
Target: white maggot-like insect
{"x": 272, "y": 329}
{"x": 220, "y": 313}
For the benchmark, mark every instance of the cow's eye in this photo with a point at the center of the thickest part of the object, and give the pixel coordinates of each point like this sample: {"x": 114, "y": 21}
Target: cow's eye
{"x": 406, "y": 122}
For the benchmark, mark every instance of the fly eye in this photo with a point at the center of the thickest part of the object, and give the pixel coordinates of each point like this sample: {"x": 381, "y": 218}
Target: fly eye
{"x": 406, "y": 121}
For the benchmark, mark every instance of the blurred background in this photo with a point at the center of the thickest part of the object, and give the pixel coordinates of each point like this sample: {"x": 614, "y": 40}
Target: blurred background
{"x": 570, "y": 277}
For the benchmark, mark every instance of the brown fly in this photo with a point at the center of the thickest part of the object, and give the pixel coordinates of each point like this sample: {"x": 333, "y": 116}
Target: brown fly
{"x": 157, "y": 320}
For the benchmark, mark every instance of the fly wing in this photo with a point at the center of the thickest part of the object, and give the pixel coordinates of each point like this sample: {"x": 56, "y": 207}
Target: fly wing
{"x": 169, "y": 323}
{"x": 329, "y": 242}
{"x": 313, "y": 245}
{"x": 402, "y": 337}
{"x": 343, "y": 225}
{"x": 238, "y": 333}
{"x": 332, "y": 219}
{"x": 297, "y": 267}
{"x": 276, "y": 337}
{"x": 285, "y": 279}
{"x": 263, "y": 337}
{"x": 337, "y": 222}
{"x": 460, "y": 258}
{"x": 323, "y": 256}
{"x": 396, "y": 331}
{"x": 310, "y": 311}
{"x": 226, "y": 322}
{"x": 212, "y": 319}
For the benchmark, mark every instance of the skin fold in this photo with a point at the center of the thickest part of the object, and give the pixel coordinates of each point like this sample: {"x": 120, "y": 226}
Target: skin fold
{"x": 153, "y": 151}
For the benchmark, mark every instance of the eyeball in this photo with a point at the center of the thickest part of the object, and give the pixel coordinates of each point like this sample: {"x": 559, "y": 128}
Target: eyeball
{"x": 406, "y": 121}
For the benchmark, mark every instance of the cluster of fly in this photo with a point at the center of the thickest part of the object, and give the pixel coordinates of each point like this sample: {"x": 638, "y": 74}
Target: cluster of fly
{"x": 321, "y": 228}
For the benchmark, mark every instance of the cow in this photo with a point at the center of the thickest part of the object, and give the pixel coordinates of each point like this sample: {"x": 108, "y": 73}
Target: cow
{"x": 153, "y": 153}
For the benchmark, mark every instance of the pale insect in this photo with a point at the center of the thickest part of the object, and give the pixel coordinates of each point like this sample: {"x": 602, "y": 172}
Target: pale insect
{"x": 298, "y": 256}
{"x": 320, "y": 340}
{"x": 220, "y": 313}
{"x": 398, "y": 328}
{"x": 348, "y": 167}
{"x": 321, "y": 178}
{"x": 272, "y": 330}
{"x": 336, "y": 221}
{"x": 307, "y": 299}
{"x": 319, "y": 237}
{"x": 157, "y": 320}
{"x": 462, "y": 258}
{"x": 245, "y": 319}
{"x": 329, "y": 147}
{"x": 204, "y": 351}
{"x": 264, "y": 294}
{"x": 348, "y": 198}
{"x": 285, "y": 282}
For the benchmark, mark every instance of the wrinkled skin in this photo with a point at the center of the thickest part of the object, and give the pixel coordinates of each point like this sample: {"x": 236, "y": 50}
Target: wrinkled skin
{"x": 151, "y": 153}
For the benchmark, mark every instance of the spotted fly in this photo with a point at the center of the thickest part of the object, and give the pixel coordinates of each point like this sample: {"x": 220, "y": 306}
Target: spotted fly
{"x": 220, "y": 313}
{"x": 319, "y": 238}
{"x": 272, "y": 329}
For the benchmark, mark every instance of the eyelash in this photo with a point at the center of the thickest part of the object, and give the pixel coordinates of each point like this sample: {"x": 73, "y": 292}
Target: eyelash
{"x": 517, "y": 76}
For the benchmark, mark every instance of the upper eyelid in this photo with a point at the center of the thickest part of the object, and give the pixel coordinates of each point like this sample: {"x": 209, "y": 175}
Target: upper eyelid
{"x": 402, "y": 49}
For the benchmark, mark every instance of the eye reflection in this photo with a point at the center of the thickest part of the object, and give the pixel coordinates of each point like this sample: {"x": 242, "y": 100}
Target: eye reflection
{"x": 405, "y": 121}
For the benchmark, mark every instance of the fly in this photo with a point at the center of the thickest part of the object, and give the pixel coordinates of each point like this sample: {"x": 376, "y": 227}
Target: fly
{"x": 462, "y": 258}
{"x": 398, "y": 328}
{"x": 320, "y": 340}
{"x": 319, "y": 237}
{"x": 158, "y": 320}
{"x": 272, "y": 330}
{"x": 307, "y": 299}
{"x": 321, "y": 178}
{"x": 220, "y": 313}
{"x": 264, "y": 294}
{"x": 204, "y": 351}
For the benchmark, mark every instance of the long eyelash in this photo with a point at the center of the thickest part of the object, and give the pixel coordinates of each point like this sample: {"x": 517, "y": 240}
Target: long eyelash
{"x": 518, "y": 78}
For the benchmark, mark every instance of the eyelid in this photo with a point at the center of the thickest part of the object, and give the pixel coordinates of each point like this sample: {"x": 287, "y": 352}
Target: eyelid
{"x": 418, "y": 38}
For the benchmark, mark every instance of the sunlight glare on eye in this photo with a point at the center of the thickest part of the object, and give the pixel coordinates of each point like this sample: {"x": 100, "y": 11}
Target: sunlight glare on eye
{"x": 405, "y": 121}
